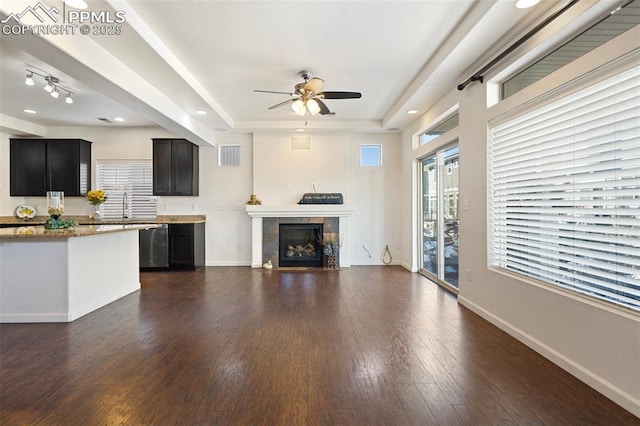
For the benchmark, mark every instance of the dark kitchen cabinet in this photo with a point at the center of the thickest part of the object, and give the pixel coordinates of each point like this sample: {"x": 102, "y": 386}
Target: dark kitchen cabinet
{"x": 41, "y": 165}
{"x": 186, "y": 245}
{"x": 175, "y": 167}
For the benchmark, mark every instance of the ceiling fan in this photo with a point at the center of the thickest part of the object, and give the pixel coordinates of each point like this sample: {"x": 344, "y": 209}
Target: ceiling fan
{"x": 309, "y": 96}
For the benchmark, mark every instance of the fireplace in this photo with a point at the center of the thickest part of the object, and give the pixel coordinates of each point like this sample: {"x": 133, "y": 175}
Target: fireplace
{"x": 266, "y": 220}
{"x": 300, "y": 244}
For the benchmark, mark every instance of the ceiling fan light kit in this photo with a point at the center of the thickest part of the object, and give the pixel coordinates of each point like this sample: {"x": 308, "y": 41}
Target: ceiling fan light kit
{"x": 313, "y": 107}
{"x": 52, "y": 87}
{"x": 299, "y": 107}
{"x": 309, "y": 96}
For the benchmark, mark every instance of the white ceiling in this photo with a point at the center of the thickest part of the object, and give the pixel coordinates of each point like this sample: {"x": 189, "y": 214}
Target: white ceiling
{"x": 175, "y": 57}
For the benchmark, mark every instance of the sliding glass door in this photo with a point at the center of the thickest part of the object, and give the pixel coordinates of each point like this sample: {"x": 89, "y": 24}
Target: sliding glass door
{"x": 440, "y": 216}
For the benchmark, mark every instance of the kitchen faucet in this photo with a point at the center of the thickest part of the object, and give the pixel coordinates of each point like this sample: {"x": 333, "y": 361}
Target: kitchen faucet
{"x": 125, "y": 215}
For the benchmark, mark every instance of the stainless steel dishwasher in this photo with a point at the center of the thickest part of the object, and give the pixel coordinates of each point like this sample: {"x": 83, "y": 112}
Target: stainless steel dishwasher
{"x": 154, "y": 248}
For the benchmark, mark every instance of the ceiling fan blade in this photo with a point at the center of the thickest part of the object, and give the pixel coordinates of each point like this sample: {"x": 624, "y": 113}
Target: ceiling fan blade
{"x": 324, "y": 109}
{"x": 271, "y": 91}
{"x": 314, "y": 85}
{"x": 288, "y": 101}
{"x": 340, "y": 95}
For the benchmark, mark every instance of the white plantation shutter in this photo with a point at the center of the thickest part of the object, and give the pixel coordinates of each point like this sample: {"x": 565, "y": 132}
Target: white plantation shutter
{"x": 564, "y": 184}
{"x": 133, "y": 178}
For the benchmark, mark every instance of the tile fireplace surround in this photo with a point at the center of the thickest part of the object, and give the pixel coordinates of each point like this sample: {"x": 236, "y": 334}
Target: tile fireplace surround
{"x": 291, "y": 213}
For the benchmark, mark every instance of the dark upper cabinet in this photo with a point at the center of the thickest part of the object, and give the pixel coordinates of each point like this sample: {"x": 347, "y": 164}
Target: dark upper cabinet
{"x": 175, "y": 167}
{"x": 162, "y": 167}
{"x": 28, "y": 167}
{"x": 41, "y": 165}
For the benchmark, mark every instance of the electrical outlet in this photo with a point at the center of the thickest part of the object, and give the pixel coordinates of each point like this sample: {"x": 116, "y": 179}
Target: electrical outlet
{"x": 468, "y": 274}
{"x": 194, "y": 207}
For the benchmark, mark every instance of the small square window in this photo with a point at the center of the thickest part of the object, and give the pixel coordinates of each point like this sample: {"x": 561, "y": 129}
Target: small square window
{"x": 371, "y": 155}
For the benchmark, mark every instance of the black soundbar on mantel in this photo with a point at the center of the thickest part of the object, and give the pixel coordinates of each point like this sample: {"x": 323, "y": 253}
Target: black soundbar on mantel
{"x": 321, "y": 198}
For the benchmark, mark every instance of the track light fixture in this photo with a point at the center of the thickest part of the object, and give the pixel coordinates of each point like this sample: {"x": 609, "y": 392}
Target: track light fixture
{"x": 49, "y": 86}
{"x": 53, "y": 85}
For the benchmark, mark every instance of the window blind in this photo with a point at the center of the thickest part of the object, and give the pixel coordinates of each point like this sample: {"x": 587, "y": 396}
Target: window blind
{"x": 129, "y": 188}
{"x": 564, "y": 192}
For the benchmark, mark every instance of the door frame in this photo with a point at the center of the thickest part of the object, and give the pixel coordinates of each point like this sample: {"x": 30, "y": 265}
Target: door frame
{"x": 438, "y": 153}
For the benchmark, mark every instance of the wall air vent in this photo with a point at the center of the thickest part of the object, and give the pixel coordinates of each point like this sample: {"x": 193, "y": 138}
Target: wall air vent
{"x": 229, "y": 155}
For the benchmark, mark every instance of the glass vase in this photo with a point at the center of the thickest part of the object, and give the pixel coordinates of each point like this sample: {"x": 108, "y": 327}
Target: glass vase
{"x": 97, "y": 212}
{"x": 55, "y": 203}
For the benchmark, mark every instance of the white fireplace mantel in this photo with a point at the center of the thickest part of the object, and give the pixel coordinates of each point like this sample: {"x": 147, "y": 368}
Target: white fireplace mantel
{"x": 342, "y": 211}
{"x": 301, "y": 210}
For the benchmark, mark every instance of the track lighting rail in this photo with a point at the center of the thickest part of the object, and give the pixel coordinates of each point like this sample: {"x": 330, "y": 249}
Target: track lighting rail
{"x": 53, "y": 85}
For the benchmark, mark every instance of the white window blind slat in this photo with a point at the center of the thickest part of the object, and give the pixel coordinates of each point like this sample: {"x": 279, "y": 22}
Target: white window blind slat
{"x": 564, "y": 192}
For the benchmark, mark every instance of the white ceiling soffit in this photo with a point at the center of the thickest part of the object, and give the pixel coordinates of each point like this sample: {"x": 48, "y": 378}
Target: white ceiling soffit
{"x": 83, "y": 59}
{"x": 176, "y": 57}
{"x": 376, "y": 49}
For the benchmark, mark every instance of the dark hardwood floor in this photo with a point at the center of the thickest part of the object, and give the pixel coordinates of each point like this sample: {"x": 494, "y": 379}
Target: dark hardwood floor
{"x": 363, "y": 346}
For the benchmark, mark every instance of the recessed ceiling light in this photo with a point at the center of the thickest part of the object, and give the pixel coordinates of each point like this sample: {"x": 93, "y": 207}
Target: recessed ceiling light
{"x": 30, "y": 111}
{"x": 412, "y": 111}
{"x": 118, "y": 119}
{"x": 299, "y": 130}
{"x": 525, "y": 4}
{"x": 201, "y": 112}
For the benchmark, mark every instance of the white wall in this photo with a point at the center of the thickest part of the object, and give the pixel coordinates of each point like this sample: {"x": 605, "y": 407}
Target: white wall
{"x": 282, "y": 175}
{"x": 594, "y": 341}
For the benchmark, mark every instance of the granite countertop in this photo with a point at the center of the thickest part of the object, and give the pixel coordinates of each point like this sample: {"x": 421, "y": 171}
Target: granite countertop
{"x": 85, "y": 220}
{"x": 38, "y": 231}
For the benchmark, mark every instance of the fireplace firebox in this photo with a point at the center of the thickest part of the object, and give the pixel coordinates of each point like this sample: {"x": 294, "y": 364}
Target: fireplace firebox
{"x": 300, "y": 245}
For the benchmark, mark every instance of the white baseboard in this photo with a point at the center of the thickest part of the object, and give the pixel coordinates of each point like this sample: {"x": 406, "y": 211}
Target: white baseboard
{"x": 229, "y": 263}
{"x": 601, "y": 385}
{"x": 406, "y": 266}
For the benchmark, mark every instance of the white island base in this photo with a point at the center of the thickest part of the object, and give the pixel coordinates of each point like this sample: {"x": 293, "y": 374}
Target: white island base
{"x": 61, "y": 279}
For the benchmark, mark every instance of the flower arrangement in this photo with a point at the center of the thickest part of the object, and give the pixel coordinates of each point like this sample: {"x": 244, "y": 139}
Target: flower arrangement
{"x": 96, "y": 197}
{"x": 331, "y": 244}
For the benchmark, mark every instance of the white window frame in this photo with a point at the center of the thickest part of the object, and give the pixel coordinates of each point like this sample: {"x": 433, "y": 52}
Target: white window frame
{"x": 371, "y": 146}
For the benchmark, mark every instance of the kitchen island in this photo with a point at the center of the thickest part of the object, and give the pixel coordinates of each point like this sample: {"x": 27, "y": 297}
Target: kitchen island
{"x": 61, "y": 275}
